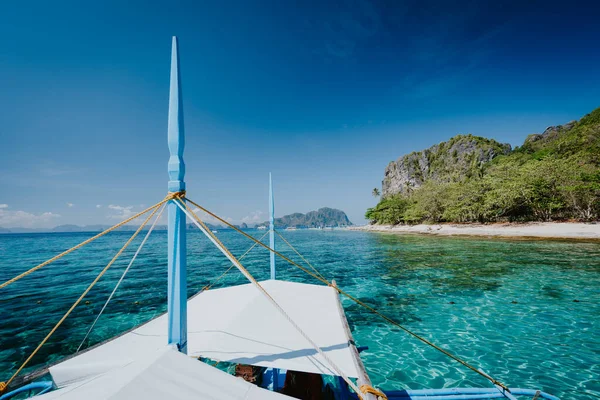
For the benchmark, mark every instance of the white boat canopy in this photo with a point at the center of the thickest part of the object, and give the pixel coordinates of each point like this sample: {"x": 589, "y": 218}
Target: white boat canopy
{"x": 163, "y": 374}
{"x": 237, "y": 324}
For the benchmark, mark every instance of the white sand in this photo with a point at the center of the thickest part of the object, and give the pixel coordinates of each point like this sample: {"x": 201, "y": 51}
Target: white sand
{"x": 536, "y": 229}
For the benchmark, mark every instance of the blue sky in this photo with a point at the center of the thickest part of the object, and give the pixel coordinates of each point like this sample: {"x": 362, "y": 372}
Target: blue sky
{"x": 322, "y": 94}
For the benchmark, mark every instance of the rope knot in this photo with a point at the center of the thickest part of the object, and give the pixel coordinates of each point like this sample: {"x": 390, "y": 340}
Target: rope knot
{"x": 2, "y": 387}
{"x": 367, "y": 389}
{"x": 176, "y": 195}
{"x": 502, "y": 385}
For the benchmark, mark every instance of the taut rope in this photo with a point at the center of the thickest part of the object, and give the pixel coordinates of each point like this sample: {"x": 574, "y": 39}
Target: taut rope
{"x": 357, "y": 301}
{"x": 4, "y": 385}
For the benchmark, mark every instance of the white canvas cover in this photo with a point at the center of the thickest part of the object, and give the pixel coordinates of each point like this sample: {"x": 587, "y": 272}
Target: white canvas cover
{"x": 163, "y": 374}
{"x": 236, "y": 324}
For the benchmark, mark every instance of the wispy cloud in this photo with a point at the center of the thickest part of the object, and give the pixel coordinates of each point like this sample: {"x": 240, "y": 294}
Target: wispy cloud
{"x": 23, "y": 219}
{"x": 3, "y": 205}
{"x": 122, "y": 212}
{"x": 254, "y": 217}
{"x": 98, "y": 205}
{"x": 70, "y": 205}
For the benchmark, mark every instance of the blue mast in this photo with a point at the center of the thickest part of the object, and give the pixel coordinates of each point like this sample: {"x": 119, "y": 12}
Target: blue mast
{"x": 272, "y": 225}
{"x": 177, "y": 275}
{"x": 272, "y": 245}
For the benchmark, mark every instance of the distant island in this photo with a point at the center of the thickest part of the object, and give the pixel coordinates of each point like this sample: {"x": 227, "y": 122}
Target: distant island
{"x": 322, "y": 218}
{"x": 100, "y": 228}
{"x": 553, "y": 176}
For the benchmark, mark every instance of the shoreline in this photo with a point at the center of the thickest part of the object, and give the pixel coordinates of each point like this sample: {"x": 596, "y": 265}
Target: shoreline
{"x": 543, "y": 230}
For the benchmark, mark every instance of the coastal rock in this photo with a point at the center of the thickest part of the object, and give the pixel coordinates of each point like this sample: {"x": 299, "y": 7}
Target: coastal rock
{"x": 454, "y": 160}
{"x": 323, "y": 217}
{"x": 551, "y": 133}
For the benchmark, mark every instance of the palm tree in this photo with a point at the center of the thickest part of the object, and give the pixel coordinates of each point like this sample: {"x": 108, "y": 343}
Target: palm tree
{"x": 375, "y": 192}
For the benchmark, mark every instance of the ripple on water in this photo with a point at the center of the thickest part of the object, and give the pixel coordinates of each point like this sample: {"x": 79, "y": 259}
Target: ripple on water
{"x": 507, "y": 306}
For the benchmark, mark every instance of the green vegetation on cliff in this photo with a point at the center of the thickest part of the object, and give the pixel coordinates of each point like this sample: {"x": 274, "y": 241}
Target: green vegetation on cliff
{"x": 553, "y": 176}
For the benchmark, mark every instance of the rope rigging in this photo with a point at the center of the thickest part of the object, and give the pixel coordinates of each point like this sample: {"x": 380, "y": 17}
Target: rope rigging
{"x": 155, "y": 208}
{"x": 301, "y": 256}
{"x": 171, "y": 196}
{"x": 178, "y": 198}
{"x": 72, "y": 249}
{"x": 357, "y": 301}
{"x": 213, "y": 283}
{"x": 122, "y": 277}
{"x": 202, "y": 226}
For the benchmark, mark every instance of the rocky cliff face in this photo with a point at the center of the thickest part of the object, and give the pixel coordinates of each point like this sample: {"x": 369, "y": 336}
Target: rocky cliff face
{"x": 454, "y": 160}
{"x": 551, "y": 133}
{"x": 313, "y": 219}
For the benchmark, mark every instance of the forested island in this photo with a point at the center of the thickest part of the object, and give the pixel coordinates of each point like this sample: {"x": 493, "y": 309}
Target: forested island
{"x": 321, "y": 218}
{"x": 553, "y": 176}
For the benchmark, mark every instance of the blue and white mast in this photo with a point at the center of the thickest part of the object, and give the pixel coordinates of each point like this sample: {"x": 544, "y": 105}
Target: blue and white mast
{"x": 177, "y": 275}
{"x": 272, "y": 225}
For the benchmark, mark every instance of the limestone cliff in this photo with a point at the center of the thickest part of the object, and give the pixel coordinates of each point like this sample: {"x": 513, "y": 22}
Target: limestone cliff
{"x": 538, "y": 140}
{"x": 457, "y": 159}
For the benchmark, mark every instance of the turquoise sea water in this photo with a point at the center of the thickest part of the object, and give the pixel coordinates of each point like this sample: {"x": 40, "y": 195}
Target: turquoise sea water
{"x": 527, "y": 312}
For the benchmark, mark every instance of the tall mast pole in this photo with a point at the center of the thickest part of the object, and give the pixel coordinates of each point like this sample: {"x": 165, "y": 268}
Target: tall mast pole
{"x": 272, "y": 225}
{"x": 177, "y": 275}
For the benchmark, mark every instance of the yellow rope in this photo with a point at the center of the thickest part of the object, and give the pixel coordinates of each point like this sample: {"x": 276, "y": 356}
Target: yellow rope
{"x": 301, "y": 256}
{"x": 4, "y": 385}
{"x": 249, "y": 276}
{"x": 357, "y": 301}
{"x": 207, "y": 287}
{"x": 72, "y": 249}
{"x": 371, "y": 390}
{"x": 175, "y": 195}
{"x": 256, "y": 241}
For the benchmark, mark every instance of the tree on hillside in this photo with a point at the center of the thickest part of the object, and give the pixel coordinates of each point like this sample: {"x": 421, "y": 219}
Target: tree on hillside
{"x": 375, "y": 192}
{"x": 553, "y": 176}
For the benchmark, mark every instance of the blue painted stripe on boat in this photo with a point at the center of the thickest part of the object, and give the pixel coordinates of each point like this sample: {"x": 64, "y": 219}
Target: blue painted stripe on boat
{"x": 43, "y": 385}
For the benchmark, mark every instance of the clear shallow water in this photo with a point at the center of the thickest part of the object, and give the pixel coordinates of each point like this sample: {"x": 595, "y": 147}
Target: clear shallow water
{"x": 505, "y": 306}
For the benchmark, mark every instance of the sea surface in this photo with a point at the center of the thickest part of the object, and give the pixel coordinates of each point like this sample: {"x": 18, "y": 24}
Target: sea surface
{"x": 526, "y": 312}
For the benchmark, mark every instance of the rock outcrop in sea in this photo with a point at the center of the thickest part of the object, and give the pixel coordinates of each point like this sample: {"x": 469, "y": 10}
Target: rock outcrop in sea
{"x": 323, "y": 217}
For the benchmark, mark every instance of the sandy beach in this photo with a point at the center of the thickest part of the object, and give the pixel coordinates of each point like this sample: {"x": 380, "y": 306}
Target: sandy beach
{"x": 558, "y": 230}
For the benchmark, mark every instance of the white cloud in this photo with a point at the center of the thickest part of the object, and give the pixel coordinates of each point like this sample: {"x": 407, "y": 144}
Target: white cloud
{"x": 3, "y": 205}
{"x": 70, "y": 204}
{"x": 98, "y": 205}
{"x": 122, "y": 211}
{"x": 254, "y": 217}
{"x": 23, "y": 219}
